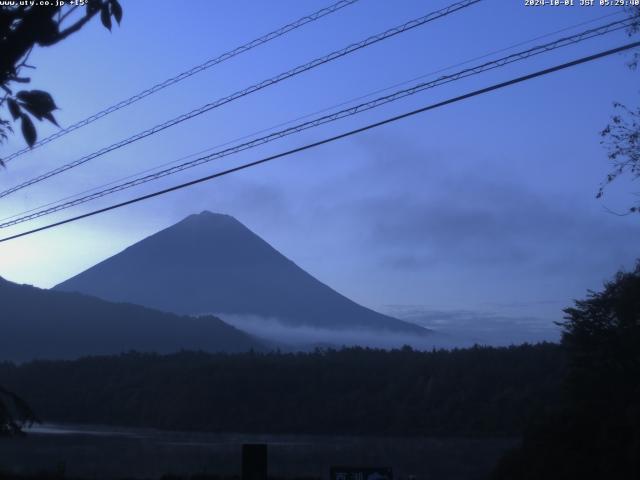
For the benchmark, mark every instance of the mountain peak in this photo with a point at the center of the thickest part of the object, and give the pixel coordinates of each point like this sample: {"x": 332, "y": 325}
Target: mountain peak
{"x": 210, "y": 214}
{"x": 207, "y": 215}
{"x": 212, "y": 263}
{"x": 209, "y": 218}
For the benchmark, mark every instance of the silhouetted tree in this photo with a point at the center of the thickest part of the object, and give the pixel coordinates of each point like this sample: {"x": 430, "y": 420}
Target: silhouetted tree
{"x": 622, "y": 136}
{"x": 23, "y": 27}
{"x": 596, "y": 434}
{"x": 14, "y": 413}
{"x": 602, "y": 336}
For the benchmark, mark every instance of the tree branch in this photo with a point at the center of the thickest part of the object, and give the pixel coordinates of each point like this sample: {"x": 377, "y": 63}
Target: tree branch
{"x": 73, "y": 28}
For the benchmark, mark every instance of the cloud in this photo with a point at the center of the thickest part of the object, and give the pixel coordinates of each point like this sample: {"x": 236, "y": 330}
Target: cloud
{"x": 392, "y": 219}
{"x": 452, "y": 329}
{"x": 418, "y": 208}
{"x": 467, "y": 327}
{"x": 305, "y": 337}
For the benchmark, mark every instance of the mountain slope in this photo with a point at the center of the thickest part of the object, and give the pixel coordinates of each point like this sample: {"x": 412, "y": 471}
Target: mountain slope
{"x": 211, "y": 263}
{"x": 37, "y": 323}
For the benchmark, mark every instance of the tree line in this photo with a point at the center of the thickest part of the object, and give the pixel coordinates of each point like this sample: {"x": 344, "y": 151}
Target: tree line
{"x": 477, "y": 391}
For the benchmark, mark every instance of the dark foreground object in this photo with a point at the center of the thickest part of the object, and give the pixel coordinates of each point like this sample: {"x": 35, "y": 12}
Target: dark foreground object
{"x": 595, "y": 432}
{"x": 254, "y": 461}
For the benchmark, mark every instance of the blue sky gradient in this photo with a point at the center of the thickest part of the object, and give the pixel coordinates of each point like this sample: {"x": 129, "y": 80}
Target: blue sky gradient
{"x": 484, "y": 206}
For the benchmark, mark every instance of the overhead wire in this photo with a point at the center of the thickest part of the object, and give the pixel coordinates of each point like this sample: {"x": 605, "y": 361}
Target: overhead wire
{"x": 334, "y": 138}
{"x": 375, "y": 103}
{"x": 311, "y": 114}
{"x": 308, "y": 115}
{"x": 187, "y": 74}
{"x": 405, "y": 27}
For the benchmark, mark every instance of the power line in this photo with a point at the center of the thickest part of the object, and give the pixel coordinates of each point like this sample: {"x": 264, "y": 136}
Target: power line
{"x": 249, "y": 90}
{"x": 375, "y": 103}
{"x": 328, "y": 118}
{"x": 466, "y": 96}
{"x": 189, "y": 73}
{"x": 308, "y": 115}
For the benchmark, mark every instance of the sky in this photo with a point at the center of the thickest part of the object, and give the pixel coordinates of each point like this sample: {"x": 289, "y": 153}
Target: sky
{"x": 480, "y": 215}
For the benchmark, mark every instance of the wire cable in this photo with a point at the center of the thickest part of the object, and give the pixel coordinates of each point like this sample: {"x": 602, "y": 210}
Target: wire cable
{"x": 188, "y": 73}
{"x": 308, "y": 115}
{"x": 324, "y": 141}
{"x": 249, "y": 90}
{"x": 501, "y": 62}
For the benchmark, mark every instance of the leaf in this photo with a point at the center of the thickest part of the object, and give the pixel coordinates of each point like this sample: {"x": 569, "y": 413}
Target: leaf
{"x": 39, "y": 98}
{"x": 28, "y": 130}
{"x": 14, "y": 108}
{"x": 116, "y": 11}
{"x": 51, "y": 118}
{"x": 37, "y": 102}
{"x": 105, "y": 16}
{"x": 46, "y": 31}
